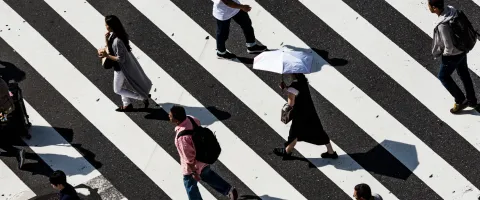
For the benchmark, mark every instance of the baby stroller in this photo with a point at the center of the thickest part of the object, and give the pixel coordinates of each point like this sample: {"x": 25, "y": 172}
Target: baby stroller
{"x": 13, "y": 115}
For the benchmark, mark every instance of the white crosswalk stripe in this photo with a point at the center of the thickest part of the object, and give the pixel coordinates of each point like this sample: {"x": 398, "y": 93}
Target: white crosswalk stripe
{"x": 242, "y": 160}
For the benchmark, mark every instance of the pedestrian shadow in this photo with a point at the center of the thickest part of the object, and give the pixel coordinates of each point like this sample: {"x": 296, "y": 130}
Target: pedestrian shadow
{"x": 84, "y": 192}
{"x": 207, "y": 115}
{"x": 248, "y": 61}
{"x": 332, "y": 61}
{"x": 473, "y": 111}
{"x": 9, "y": 71}
{"x": 377, "y": 161}
{"x": 254, "y": 197}
{"x": 34, "y": 162}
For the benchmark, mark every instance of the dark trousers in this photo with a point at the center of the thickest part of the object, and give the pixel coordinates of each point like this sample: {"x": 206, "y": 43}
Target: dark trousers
{"x": 211, "y": 178}
{"x": 459, "y": 63}
{"x": 223, "y": 29}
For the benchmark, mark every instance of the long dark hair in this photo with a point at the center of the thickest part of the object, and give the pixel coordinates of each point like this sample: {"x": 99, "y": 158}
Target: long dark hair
{"x": 114, "y": 23}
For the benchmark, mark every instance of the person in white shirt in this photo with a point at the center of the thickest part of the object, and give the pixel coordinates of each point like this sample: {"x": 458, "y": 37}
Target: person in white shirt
{"x": 363, "y": 192}
{"x": 223, "y": 11}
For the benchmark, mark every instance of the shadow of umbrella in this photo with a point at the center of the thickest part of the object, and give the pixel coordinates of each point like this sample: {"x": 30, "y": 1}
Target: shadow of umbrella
{"x": 377, "y": 160}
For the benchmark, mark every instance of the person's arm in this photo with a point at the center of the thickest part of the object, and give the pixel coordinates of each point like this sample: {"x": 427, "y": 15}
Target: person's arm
{"x": 445, "y": 33}
{"x": 187, "y": 151}
{"x": 233, "y": 4}
{"x": 292, "y": 93}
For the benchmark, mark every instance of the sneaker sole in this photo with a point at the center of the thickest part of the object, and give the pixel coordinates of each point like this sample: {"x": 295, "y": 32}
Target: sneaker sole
{"x": 226, "y": 58}
{"x": 259, "y": 51}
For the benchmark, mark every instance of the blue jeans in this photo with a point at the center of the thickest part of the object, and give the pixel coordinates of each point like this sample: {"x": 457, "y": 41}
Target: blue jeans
{"x": 459, "y": 63}
{"x": 223, "y": 29}
{"x": 208, "y": 176}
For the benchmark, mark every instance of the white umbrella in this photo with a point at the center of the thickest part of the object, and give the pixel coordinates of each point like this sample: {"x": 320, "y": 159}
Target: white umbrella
{"x": 284, "y": 61}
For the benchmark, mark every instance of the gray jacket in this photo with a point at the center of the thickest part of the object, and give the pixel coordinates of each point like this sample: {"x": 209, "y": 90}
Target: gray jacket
{"x": 132, "y": 70}
{"x": 442, "y": 38}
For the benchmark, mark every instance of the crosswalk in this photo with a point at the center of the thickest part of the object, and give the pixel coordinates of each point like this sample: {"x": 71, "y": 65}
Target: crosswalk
{"x": 375, "y": 91}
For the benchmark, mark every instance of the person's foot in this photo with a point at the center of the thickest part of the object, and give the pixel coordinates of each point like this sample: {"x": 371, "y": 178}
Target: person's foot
{"x": 280, "y": 151}
{"x": 458, "y": 107}
{"x": 256, "y": 49}
{"x": 227, "y": 55}
{"x": 125, "y": 108}
{"x": 329, "y": 155}
{"x": 233, "y": 194}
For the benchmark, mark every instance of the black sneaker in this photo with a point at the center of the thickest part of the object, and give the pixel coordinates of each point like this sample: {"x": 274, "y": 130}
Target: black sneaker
{"x": 226, "y": 55}
{"x": 256, "y": 49}
{"x": 327, "y": 155}
{"x": 458, "y": 108}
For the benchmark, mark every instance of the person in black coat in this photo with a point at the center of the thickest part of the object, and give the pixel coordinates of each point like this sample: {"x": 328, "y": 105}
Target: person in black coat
{"x": 306, "y": 125}
{"x": 58, "y": 180}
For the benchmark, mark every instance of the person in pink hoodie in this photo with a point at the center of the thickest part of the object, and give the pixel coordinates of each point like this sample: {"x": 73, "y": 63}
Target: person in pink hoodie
{"x": 193, "y": 170}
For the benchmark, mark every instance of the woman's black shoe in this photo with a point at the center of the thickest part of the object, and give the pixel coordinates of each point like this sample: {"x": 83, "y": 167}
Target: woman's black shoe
{"x": 281, "y": 152}
{"x": 125, "y": 109}
{"x": 327, "y": 155}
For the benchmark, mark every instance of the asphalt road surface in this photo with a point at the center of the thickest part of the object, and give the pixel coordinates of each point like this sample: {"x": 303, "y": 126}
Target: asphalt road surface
{"x": 376, "y": 92}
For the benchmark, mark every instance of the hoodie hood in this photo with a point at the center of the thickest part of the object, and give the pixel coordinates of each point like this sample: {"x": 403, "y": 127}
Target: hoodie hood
{"x": 448, "y": 13}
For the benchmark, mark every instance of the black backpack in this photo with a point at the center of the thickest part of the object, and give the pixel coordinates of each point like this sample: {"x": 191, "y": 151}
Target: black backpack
{"x": 206, "y": 145}
{"x": 464, "y": 35}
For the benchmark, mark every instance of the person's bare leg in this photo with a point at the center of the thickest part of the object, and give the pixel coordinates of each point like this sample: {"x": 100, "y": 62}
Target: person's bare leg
{"x": 291, "y": 146}
{"x": 329, "y": 148}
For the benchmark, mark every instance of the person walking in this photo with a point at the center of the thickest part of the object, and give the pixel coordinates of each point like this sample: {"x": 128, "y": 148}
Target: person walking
{"x": 192, "y": 169}
{"x": 363, "y": 192}
{"x": 224, "y": 11}
{"x": 58, "y": 180}
{"x": 125, "y": 65}
{"x": 306, "y": 125}
{"x": 451, "y": 57}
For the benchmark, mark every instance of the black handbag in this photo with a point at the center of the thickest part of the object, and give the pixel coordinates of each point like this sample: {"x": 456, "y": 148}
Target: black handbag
{"x": 286, "y": 113}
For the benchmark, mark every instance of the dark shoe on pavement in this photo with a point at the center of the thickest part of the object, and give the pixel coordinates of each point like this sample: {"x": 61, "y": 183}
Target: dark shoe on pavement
{"x": 331, "y": 156}
{"x": 458, "y": 107}
{"x": 256, "y": 49}
{"x": 227, "y": 55}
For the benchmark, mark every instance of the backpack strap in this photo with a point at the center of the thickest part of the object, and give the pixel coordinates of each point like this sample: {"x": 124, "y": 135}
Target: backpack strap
{"x": 184, "y": 133}
{"x": 188, "y": 132}
{"x": 194, "y": 124}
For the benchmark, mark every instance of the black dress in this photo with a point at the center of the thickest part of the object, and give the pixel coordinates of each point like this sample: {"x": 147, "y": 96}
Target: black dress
{"x": 306, "y": 125}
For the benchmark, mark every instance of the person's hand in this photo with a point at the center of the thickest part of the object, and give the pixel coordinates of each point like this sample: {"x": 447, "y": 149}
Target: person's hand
{"x": 246, "y": 8}
{"x": 196, "y": 176}
{"x": 102, "y": 54}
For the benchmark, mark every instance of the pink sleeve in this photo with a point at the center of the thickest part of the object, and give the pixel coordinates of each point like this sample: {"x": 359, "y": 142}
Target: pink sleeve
{"x": 187, "y": 149}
